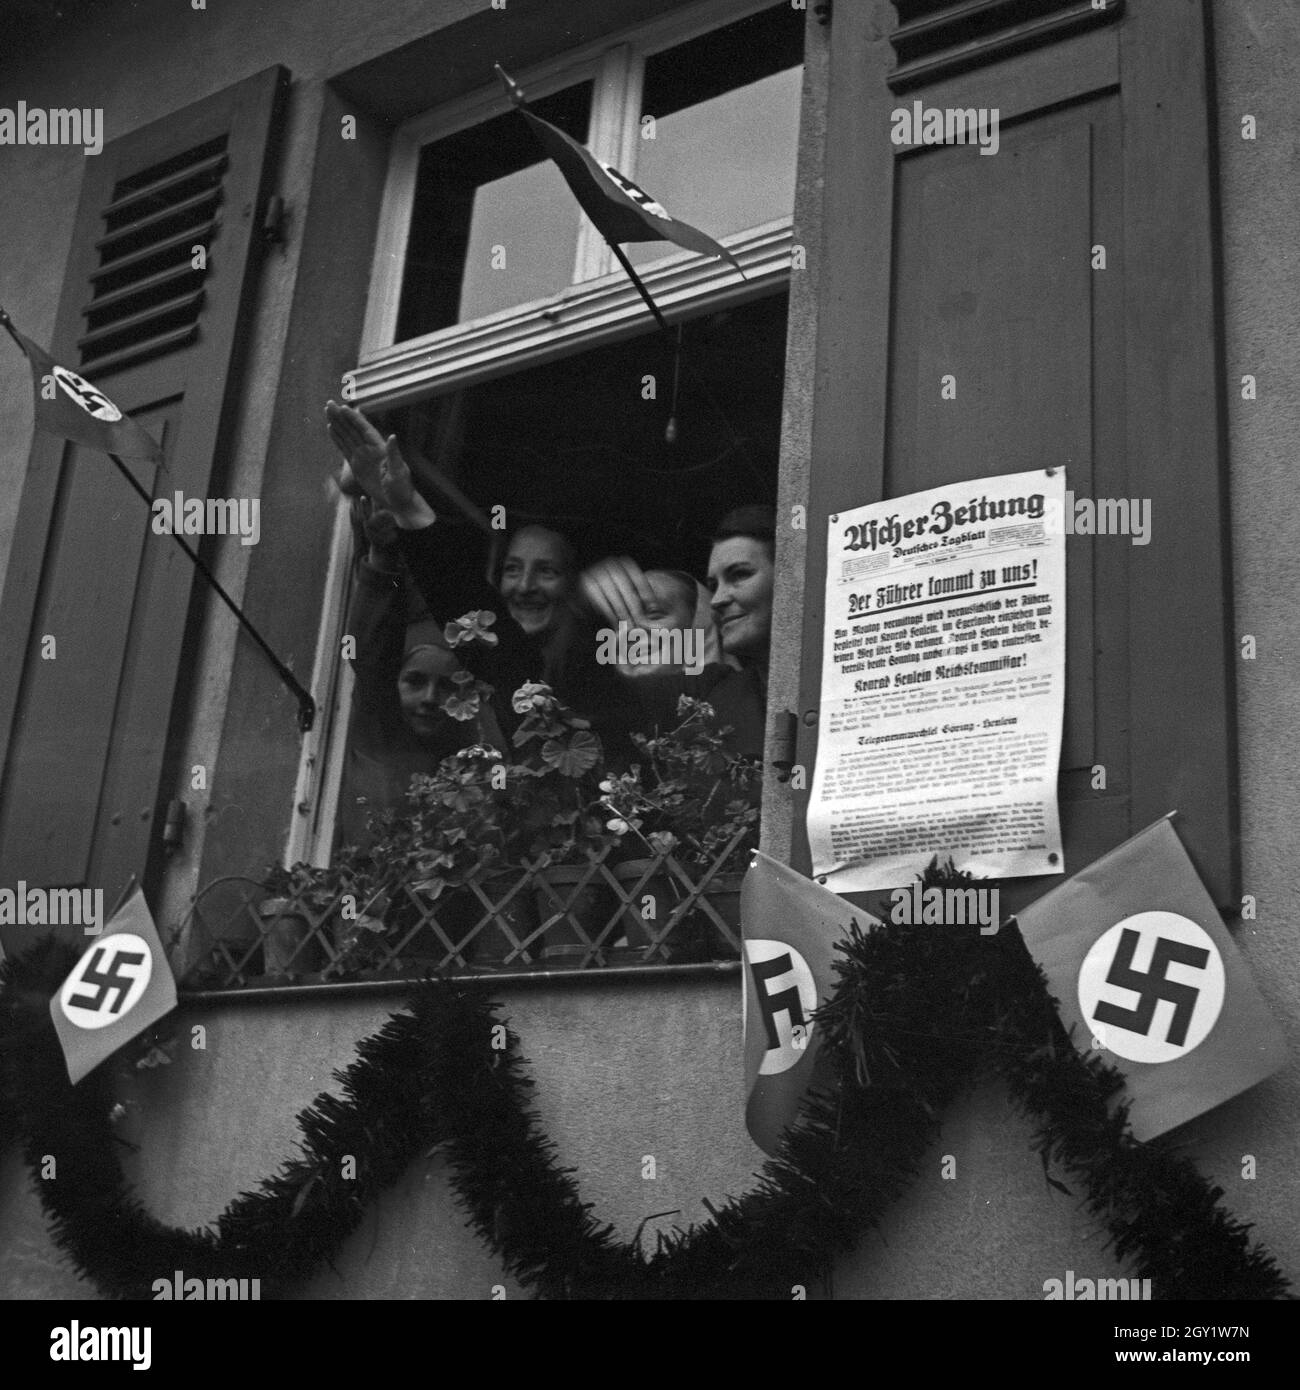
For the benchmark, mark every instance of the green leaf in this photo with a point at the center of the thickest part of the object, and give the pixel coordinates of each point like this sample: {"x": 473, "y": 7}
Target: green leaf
{"x": 579, "y": 755}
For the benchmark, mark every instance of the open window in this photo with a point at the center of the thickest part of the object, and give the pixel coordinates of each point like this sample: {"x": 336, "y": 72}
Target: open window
{"x": 484, "y": 263}
{"x": 535, "y": 378}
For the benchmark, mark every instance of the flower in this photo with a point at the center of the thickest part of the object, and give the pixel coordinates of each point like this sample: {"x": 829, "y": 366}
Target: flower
{"x": 472, "y": 627}
{"x": 618, "y": 826}
{"x": 530, "y": 696}
{"x": 467, "y": 699}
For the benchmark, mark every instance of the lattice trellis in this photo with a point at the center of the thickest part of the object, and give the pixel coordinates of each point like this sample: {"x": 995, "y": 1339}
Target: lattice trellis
{"x": 599, "y": 914}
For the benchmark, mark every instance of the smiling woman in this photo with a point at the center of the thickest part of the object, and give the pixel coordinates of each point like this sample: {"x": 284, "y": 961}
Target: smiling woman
{"x": 537, "y": 577}
{"x": 741, "y": 577}
{"x": 741, "y": 580}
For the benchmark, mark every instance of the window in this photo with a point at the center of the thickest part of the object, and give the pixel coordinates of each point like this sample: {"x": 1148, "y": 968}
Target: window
{"x": 482, "y": 188}
{"x": 485, "y": 264}
{"x": 527, "y": 382}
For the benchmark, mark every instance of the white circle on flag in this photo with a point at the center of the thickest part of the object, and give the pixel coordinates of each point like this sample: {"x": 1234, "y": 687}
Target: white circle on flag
{"x": 107, "y": 982}
{"x": 1151, "y": 988}
{"x": 90, "y": 398}
{"x": 791, "y": 1025}
{"x": 636, "y": 193}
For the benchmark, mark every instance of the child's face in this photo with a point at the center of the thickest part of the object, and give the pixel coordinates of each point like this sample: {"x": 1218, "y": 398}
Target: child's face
{"x": 673, "y": 608}
{"x": 423, "y": 683}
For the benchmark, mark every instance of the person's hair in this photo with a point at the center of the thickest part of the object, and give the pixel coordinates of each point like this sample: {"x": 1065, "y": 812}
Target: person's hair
{"x": 683, "y": 583}
{"x": 567, "y": 551}
{"x": 756, "y": 520}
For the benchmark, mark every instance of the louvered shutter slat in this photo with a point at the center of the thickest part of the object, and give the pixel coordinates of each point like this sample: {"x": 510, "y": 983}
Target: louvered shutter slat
{"x": 210, "y": 167}
{"x": 107, "y": 244}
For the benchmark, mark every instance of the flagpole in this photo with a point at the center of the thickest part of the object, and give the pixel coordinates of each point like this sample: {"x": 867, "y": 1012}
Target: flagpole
{"x": 306, "y": 704}
{"x": 663, "y": 323}
{"x": 518, "y": 100}
{"x": 8, "y": 326}
{"x": 640, "y": 288}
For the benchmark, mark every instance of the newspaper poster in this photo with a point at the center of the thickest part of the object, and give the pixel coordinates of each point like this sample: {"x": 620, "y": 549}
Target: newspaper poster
{"x": 943, "y": 685}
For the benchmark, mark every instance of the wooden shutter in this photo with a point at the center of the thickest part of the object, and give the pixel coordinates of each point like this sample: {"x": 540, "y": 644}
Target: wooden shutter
{"x": 942, "y": 260}
{"x": 86, "y": 734}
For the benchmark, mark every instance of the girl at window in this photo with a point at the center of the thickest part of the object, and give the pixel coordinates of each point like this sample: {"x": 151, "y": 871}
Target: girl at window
{"x": 404, "y": 671}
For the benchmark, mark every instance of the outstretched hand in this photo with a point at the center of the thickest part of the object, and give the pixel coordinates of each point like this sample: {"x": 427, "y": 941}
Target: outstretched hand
{"x": 377, "y": 465}
{"x": 618, "y": 590}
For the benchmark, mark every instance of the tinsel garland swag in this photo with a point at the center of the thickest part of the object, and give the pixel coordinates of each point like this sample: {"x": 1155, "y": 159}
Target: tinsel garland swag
{"x": 917, "y": 1016}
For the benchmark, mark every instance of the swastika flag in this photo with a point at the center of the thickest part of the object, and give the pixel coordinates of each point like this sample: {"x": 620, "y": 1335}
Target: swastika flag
{"x": 789, "y": 927}
{"x": 69, "y": 406}
{"x": 119, "y": 987}
{"x": 1149, "y": 979}
{"x": 619, "y": 209}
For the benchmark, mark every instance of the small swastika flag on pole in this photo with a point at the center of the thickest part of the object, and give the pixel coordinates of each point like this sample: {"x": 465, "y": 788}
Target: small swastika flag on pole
{"x": 789, "y": 926}
{"x": 1149, "y": 979}
{"x": 119, "y": 987}
{"x": 67, "y": 405}
{"x": 619, "y": 209}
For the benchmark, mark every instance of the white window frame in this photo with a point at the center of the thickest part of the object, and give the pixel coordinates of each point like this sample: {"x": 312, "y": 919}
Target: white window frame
{"x": 600, "y": 306}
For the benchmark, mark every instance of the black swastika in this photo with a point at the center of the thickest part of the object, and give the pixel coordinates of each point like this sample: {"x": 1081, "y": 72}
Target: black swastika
{"x": 787, "y": 1001}
{"x": 1152, "y": 986}
{"x": 87, "y": 396}
{"x": 638, "y": 195}
{"x": 106, "y": 981}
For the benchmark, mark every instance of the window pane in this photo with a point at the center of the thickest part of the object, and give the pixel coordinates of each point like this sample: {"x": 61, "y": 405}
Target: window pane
{"x": 528, "y": 220}
{"x": 726, "y": 110}
{"x": 487, "y": 195}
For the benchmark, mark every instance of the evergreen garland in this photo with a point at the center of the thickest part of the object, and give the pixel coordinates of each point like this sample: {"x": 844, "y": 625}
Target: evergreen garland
{"x": 918, "y": 1015}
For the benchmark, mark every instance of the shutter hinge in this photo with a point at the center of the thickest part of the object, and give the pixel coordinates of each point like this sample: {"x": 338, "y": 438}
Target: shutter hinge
{"x": 273, "y": 221}
{"x": 785, "y": 743}
{"x": 173, "y": 830}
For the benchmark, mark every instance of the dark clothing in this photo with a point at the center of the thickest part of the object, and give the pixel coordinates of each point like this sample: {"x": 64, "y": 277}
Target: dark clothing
{"x": 384, "y": 753}
{"x": 737, "y": 698}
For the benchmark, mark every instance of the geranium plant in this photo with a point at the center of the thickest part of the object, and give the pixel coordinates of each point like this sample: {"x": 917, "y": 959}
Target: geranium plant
{"x": 689, "y": 796}
{"x": 555, "y": 781}
{"x": 552, "y": 801}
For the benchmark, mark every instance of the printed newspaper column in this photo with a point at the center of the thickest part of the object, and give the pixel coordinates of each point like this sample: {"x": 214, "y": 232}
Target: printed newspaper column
{"x": 1147, "y": 975}
{"x": 120, "y": 986}
{"x": 790, "y": 927}
{"x": 943, "y": 685}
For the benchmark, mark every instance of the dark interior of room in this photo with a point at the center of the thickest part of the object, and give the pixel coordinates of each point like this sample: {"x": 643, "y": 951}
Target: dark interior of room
{"x": 576, "y": 445}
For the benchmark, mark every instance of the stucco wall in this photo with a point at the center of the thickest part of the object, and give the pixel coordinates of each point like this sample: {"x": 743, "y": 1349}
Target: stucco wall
{"x": 624, "y": 1071}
